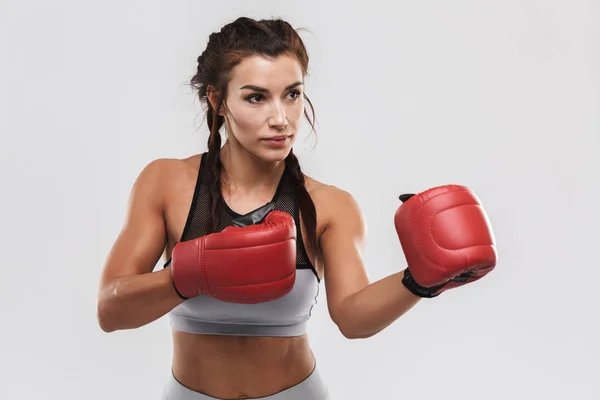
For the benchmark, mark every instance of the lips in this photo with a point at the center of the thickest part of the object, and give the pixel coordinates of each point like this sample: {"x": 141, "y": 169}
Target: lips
{"x": 280, "y": 137}
{"x": 278, "y": 142}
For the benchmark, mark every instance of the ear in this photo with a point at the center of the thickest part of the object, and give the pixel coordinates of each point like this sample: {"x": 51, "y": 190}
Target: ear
{"x": 213, "y": 98}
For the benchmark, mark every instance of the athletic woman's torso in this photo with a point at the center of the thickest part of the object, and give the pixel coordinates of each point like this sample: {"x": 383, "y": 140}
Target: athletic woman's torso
{"x": 210, "y": 363}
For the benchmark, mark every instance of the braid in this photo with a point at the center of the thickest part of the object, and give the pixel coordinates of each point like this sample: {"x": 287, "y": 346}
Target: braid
{"x": 214, "y": 166}
{"x": 305, "y": 203}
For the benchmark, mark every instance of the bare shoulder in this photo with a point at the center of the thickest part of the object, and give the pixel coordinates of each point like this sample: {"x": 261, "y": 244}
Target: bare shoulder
{"x": 326, "y": 192}
{"x": 334, "y": 204}
{"x": 165, "y": 172}
{"x": 171, "y": 167}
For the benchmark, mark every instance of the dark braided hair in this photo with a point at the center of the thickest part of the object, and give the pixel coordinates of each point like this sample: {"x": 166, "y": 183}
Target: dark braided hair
{"x": 226, "y": 49}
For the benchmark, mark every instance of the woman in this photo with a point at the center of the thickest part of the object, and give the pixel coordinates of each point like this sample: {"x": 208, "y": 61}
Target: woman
{"x": 245, "y": 336}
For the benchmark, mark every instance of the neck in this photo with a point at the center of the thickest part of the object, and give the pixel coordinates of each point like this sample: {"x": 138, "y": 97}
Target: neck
{"x": 246, "y": 173}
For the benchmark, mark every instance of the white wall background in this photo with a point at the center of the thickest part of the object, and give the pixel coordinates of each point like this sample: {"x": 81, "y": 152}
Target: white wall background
{"x": 502, "y": 96}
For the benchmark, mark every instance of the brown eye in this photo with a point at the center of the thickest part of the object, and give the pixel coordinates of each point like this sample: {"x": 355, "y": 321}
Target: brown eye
{"x": 295, "y": 94}
{"x": 255, "y": 98}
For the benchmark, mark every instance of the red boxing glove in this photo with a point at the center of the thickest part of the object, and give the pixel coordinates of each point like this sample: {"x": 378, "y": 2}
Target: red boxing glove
{"x": 447, "y": 239}
{"x": 249, "y": 264}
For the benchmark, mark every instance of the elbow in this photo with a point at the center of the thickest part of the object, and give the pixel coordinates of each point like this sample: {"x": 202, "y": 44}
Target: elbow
{"x": 352, "y": 333}
{"x": 350, "y": 329}
{"x": 104, "y": 318}
{"x": 348, "y": 323}
{"x": 106, "y": 310}
{"x": 106, "y": 328}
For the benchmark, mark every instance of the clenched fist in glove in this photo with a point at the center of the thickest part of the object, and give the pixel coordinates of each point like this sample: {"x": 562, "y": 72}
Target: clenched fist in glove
{"x": 240, "y": 264}
{"x": 446, "y": 238}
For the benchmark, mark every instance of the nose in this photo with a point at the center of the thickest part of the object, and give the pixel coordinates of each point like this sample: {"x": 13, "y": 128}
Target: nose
{"x": 278, "y": 117}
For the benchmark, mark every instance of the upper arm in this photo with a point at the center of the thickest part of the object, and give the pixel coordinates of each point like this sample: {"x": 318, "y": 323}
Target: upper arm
{"x": 142, "y": 238}
{"x": 342, "y": 243}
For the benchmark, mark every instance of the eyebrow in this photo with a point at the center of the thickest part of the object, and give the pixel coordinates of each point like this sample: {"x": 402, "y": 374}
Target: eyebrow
{"x": 263, "y": 90}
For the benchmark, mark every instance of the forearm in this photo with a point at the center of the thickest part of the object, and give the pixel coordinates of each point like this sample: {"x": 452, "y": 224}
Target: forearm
{"x": 133, "y": 301}
{"x": 376, "y": 306}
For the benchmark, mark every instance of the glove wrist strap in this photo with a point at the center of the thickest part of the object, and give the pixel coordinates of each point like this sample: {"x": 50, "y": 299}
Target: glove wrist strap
{"x": 427, "y": 292}
{"x": 167, "y": 265}
{"x": 177, "y": 291}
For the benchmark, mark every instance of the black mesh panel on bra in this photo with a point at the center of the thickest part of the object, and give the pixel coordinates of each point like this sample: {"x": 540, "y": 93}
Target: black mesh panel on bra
{"x": 197, "y": 224}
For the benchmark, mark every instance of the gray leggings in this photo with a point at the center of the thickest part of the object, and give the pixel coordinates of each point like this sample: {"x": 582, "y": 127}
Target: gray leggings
{"x": 311, "y": 388}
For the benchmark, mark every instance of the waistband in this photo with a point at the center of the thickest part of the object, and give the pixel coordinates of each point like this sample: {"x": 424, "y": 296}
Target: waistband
{"x": 311, "y": 388}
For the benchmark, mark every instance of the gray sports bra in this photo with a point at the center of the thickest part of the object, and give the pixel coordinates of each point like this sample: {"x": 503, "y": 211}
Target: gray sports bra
{"x": 286, "y": 316}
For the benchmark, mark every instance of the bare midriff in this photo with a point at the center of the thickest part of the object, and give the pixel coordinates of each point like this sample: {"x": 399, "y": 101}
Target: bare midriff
{"x": 239, "y": 367}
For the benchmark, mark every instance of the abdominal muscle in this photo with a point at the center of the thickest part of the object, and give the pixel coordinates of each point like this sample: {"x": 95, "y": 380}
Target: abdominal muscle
{"x": 240, "y": 367}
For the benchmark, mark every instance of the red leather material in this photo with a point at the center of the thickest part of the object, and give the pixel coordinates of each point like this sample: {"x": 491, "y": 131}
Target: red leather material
{"x": 445, "y": 232}
{"x": 250, "y": 264}
{"x": 186, "y": 267}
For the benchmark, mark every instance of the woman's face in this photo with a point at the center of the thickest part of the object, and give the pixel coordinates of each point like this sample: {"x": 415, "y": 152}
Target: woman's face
{"x": 264, "y": 105}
